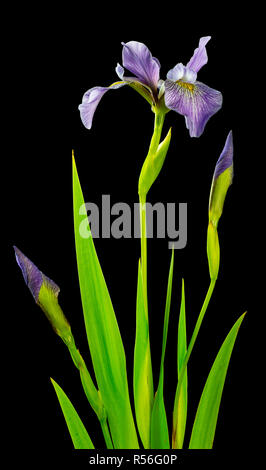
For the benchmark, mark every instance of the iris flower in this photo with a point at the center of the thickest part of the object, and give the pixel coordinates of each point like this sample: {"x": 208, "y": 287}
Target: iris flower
{"x": 180, "y": 92}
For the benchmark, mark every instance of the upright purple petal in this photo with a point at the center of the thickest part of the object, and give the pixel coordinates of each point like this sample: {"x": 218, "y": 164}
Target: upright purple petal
{"x": 138, "y": 60}
{"x": 199, "y": 57}
{"x": 90, "y": 101}
{"x": 196, "y": 101}
{"x": 33, "y": 277}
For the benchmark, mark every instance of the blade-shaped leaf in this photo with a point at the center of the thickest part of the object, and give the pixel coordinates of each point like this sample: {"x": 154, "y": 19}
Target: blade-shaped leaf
{"x": 207, "y": 413}
{"x": 105, "y": 343}
{"x": 159, "y": 425}
{"x": 143, "y": 382}
{"x": 77, "y": 431}
{"x": 180, "y": 408}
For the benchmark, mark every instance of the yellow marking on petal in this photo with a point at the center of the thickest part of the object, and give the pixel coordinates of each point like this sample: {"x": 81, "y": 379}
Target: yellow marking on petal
{"x": 186, "y": 85}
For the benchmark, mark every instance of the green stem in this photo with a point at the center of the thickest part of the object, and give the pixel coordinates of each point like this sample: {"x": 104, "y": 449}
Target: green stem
{"x": 143, "y": 241}
{"x": 155, "y": 141}
{"x": 192, "y": 342}
{"x": 106, "y": 434}
{"x": 90, "y": 390}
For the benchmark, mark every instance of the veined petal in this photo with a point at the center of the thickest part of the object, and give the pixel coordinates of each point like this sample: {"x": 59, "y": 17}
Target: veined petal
{"x": 138, "y": 60}
{"x": 196, "y": 101}
{"x": 90, "y": 101}
{"x": 137, "y": 84}
{"x": 199, "y": 57}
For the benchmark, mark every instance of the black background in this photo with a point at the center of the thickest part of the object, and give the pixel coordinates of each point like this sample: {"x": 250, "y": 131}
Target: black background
{"x": 53, "y": 61}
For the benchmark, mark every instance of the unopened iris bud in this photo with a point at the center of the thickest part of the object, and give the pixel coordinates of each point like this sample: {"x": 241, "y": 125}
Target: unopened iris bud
{"x": 153, "y": 165}
{"x": 45, "y": 293}
{"x": 222, "y": 179}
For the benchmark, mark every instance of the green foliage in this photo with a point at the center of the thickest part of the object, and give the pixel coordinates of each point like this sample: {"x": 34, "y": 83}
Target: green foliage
{"x": 159, "y": 425}
{"x": 77, "y": 431}
{"x": 207, "y": 413}
{"x": 105, "y": 343}
{"x": 180, "y": 408}
{"x": 143, "y": 382}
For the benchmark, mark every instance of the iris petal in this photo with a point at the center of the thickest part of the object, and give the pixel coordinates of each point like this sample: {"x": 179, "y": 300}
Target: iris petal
{"x": 197, "y": 102}
{"x": 138, "y": 59}
{"x": 90, "y": 101}
{"x": 199, "y": 57}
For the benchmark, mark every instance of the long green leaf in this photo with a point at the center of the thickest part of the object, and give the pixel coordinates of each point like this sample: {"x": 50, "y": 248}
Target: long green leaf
{"x": 159, "y": 425}
{"x": 143, "y": 383}
{"x": 77, "y": 431}
{"x": 105, "y": 343}
{"x": 207, "y": 413}
{"x": 180, "y": 409}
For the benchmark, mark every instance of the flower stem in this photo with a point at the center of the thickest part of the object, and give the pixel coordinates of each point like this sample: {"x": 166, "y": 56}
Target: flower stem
{"x": 142, "y": 208}
{"x": 90, "y": 390}
{"x": 191, "y": 345}
{"x": 147, "y": 168}
{"x": 106, "y": 434}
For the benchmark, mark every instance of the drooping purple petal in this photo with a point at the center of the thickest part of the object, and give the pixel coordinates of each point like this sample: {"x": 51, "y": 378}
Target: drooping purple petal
{"x": 33, "y": 277}
{"x": 197, "y": 102}
{"x": 138, "y": 59}
{"x": 226, "y": 158}
{"x": 199, "y": 57}
{"x": 90, "y": 101}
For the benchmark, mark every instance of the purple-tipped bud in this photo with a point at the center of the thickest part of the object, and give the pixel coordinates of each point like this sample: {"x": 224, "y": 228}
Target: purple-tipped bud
{"x": 45, "y": 293}
{"x": 226, "y": 158}
{"x": 222, "y": 179}
{"x": 33, "y": 277}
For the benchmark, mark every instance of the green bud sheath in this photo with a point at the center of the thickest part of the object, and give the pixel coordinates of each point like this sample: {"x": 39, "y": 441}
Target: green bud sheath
{"x": 213, "y": 251}
{"x": 48, "y": 302}
{"x": 156, "y": 155}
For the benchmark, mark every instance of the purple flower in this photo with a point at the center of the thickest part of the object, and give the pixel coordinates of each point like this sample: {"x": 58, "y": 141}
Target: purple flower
{"x": 185, "y": 95}
{"x": 180, "y": 91}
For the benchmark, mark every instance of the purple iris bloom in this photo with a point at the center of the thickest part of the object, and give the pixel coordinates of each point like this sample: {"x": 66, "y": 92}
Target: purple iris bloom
{"x": 181, "y": 92}
{"x": 184, "y": 94}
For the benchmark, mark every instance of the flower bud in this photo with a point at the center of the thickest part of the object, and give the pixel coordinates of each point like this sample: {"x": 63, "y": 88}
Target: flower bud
{"x": 222, "y": 179}
{"x": 153, "y": 165}
{"x": 45, "y": 293}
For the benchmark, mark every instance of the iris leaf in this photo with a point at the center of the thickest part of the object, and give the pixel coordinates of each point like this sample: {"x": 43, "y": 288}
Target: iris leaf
{"x": 77, "y": 431}
{"x": 105, "y": 343}
{"x": 207, "y": 413}
{"x": 180, "y": 409}
{"x": 143, "y": 382}
{"x": 159, "y": 425}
